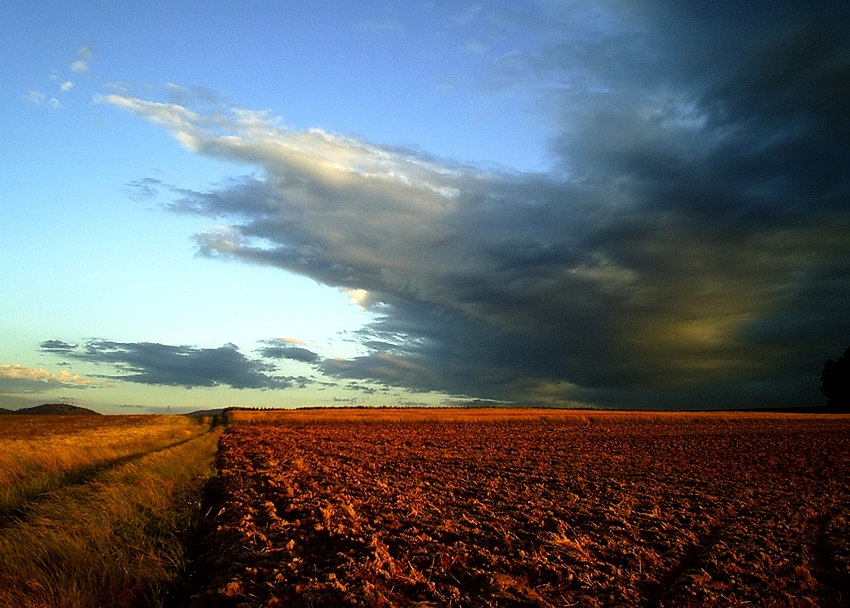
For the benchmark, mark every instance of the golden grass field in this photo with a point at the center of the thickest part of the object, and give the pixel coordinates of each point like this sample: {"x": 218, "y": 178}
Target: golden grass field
{"x": 38, "y": 453}
{"x": 94, "y": 509}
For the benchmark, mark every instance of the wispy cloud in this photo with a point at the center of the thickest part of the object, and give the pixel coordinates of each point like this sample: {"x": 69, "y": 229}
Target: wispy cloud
{"x": 466, "y": 16}
{"x": 688, "y": 249}
{"x": 35, "y": 97}
{"x": 385, "y": 26}
{"x": 39, "y": 98}
{"x": 85, "y": 52}
{"x": 80, "y": 65}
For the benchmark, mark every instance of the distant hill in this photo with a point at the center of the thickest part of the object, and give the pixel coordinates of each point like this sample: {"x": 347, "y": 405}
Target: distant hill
{"x": 213, "y": 412}
{"x": 53, "y": 408}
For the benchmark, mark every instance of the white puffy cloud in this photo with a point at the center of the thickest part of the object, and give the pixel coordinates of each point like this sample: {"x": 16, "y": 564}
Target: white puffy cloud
{"x": 22, "y": 379}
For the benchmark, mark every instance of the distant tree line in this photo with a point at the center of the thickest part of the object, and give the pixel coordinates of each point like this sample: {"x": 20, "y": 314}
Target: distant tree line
{"x": 835, "y": 382}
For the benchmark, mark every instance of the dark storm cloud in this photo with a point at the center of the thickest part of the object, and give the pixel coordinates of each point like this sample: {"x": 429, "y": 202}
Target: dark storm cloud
{"x": 144, "y": 188}
{"x": 689, "y": 248}
{"x": 295, "y": 353}
{"x": 57, "y": 346}
{"x": 187, "y": 366}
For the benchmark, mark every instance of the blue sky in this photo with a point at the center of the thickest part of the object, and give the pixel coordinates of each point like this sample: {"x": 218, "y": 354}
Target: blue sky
{"x": 605, "y": 203}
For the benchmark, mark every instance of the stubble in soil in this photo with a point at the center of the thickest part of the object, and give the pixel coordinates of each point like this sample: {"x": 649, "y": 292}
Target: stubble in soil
{"x": 601, "y": 511}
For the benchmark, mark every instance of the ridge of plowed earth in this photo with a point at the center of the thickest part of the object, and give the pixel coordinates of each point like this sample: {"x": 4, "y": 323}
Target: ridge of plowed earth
{"x": 626, "y": 512}
{"x": 11, "y": 515}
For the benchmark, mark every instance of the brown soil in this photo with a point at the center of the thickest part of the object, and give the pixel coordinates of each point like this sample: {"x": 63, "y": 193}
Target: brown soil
{"x": 615, "y": 511}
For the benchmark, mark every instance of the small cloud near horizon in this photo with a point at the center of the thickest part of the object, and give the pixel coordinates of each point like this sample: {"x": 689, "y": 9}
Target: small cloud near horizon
{"x": 22, "y": 379}
{"x": 169, "y": 365}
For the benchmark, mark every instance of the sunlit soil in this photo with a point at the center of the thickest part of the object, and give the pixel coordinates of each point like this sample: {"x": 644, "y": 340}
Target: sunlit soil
{"x": 580, "y": 510}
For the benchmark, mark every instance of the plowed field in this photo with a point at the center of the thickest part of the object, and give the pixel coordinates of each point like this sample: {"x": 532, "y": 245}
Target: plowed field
{"x": 675, "y": 510}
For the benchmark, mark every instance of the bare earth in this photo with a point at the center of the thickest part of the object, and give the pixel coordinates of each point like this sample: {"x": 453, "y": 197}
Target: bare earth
{"x": 578, "y": 509}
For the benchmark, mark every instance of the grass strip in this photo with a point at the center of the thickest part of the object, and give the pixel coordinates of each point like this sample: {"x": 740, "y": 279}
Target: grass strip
{"x": 114, "y": 542}
{"x": 39, "y": 457}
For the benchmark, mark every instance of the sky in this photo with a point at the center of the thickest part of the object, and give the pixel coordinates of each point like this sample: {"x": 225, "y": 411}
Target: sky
{"x": 599, "y": 203}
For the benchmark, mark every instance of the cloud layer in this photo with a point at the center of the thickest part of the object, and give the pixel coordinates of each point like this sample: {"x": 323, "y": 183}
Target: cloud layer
{"x": 687, "y": 249}
{"x": 168, "y": 365}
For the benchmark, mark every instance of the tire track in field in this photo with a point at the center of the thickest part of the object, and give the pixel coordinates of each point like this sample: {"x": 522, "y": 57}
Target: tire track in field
{"x": 19, "y": 513}
{"x": 832, "y": 576}
{"x": 659, "y": 593}
{"x": 834, "y": 580}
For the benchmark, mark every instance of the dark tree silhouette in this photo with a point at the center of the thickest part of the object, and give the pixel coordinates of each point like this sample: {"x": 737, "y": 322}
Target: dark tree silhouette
{"x": 835, "y": 382}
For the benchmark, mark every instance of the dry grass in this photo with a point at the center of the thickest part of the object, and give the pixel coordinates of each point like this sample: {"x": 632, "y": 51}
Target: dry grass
{"x": 117, "y": 540}
{"x": 38, "y": 454}
{"x": 416, "y": 414}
